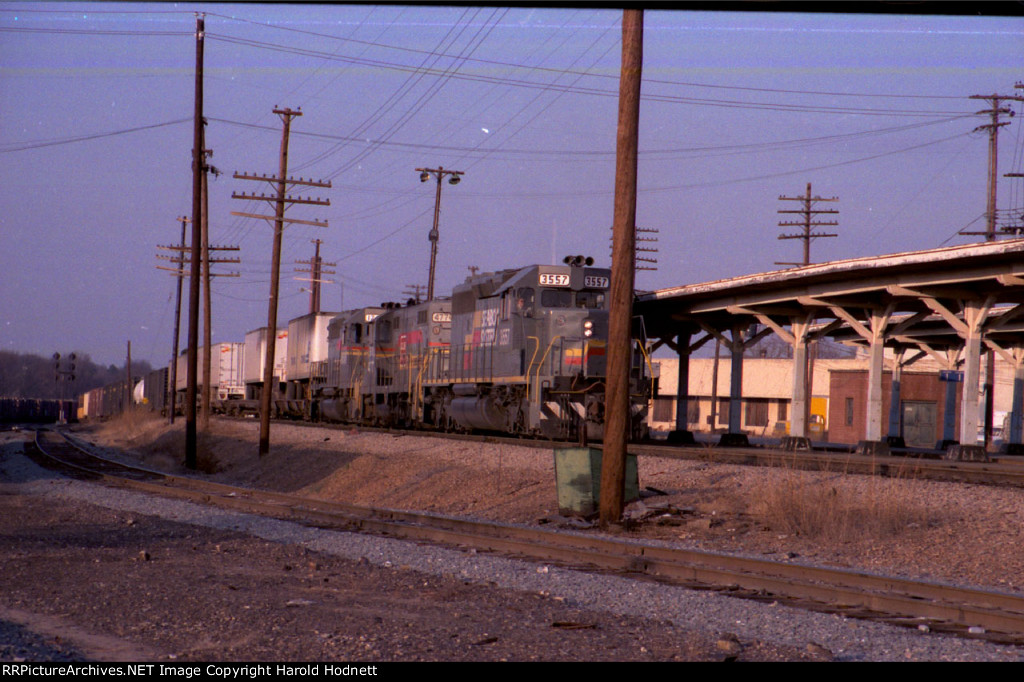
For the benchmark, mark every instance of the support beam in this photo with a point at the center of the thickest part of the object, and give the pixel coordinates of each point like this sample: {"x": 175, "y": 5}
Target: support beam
{"x": 1016, "y": 435}
{"x": 800, "y": 397}
{"x": 879, "y": 321}
{"x": 975, "y": 314}
{"x": 735, "y": 435}
{"x": 682, "y": 433}
{"x": 969, "y": 400}
{"x": 895, "y": 421}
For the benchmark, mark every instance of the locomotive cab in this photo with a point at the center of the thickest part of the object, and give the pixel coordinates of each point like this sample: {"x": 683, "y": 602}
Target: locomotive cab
{"x": 528, "y": 351}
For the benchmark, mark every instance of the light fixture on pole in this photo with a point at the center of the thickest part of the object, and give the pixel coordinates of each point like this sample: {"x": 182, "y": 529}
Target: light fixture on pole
{"x": 439, "y": 173}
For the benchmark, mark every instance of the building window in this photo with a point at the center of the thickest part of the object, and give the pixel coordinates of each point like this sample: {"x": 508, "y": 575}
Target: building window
{"x": 756, "y": 412}
{"x": 783, "y": 411}
{"x": 693, "y": 412}
{"x": 663, "y": 411}
{"x": 723, "y": 410}
{"x": 849, "y": 411}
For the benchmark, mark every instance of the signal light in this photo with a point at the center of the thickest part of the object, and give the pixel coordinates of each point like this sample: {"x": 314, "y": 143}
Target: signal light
{"x": 578, "y": 261}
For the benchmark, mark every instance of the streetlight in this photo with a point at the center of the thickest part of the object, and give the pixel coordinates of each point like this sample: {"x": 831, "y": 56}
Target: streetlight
{"x": 425, "y": 174}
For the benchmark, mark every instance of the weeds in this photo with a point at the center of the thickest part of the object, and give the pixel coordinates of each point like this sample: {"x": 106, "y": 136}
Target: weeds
{"x": 837, "y": 508}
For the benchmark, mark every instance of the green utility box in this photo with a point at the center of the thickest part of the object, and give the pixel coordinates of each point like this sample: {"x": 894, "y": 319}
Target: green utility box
{"x": 578, "y": 480}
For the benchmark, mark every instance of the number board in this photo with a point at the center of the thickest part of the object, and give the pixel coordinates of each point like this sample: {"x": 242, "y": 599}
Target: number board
{"x": 595, "y": 282}
{"x": 553, "y": 279}
{"x": 441, "y": 317}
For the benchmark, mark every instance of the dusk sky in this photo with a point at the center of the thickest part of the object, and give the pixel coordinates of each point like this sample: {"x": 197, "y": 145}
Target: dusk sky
{"x": 738, "y": 109}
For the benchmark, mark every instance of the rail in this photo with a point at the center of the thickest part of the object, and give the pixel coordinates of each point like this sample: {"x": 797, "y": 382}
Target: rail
{"x": 998, "y": 616}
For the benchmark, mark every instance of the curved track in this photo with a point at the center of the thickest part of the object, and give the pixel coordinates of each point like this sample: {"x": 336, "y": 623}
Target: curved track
{"x": 996, "y": 616}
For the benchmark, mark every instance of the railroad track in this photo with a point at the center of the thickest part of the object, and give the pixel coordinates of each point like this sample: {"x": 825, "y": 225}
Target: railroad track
{"x": 1006, "y": 472}
{"x": 995, "y": 616}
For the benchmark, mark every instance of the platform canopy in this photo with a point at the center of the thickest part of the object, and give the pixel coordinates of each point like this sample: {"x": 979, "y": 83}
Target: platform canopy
{"x": 945, "y": 303}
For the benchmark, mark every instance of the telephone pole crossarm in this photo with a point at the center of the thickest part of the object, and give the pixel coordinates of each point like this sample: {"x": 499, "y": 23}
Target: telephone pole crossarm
{"x": 281, "y": 200}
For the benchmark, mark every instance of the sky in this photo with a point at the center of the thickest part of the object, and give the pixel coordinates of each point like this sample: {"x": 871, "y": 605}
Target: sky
{"x": 737, "y": 110}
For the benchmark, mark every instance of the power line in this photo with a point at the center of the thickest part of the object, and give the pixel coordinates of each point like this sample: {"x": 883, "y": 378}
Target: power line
{"x": 95, "y": 136}
{"x": 703, "y": 150}
{"x": 599, "y": 92}
{"x": 609, "y": 76}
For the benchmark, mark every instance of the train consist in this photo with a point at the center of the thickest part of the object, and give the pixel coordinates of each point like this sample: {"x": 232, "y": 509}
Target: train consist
{"x": 35, "y": 411}
{"x": 519, "y": 351}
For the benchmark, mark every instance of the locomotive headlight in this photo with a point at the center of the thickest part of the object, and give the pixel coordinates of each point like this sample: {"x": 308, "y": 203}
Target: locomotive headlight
{"x": 588, "y": 328}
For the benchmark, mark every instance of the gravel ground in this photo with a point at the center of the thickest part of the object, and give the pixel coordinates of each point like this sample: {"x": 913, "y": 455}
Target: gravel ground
{"x": 246, "y": 588}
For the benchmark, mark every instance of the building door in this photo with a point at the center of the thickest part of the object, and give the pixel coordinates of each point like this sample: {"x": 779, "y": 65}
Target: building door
{"x": 919, "y": 423}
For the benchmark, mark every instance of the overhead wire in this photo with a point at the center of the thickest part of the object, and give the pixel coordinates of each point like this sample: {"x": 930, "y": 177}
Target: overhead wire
{"x": 610, "y": 77}
{"x": 599, "y": 92}
{"x": 55, "y": 142}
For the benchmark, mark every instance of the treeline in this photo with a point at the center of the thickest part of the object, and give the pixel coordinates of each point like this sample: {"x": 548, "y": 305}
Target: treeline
{"x": 23, "y": 375}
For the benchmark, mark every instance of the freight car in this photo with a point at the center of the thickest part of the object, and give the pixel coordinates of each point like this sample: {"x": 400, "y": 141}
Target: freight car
{"x": 36, "y": 411}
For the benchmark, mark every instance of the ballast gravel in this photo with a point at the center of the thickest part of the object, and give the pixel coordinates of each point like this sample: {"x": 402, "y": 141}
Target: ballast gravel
{"x": 624, "y": 619}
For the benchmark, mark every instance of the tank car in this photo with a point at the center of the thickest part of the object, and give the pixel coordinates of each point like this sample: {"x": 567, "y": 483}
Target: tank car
{"x": 527, "y": 355}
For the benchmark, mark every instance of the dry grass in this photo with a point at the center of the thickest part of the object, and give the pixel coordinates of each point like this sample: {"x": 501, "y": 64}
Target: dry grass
{"x": 159, "y": 445}
{"x": 838, "y": 508}
{"x": 134, "y": 426}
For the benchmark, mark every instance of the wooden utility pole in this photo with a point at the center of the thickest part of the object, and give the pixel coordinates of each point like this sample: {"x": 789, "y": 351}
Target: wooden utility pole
{"x": 180, "y": 259}
{"x": 808, "y": 223}
{"x": 179, "y": 275}
{"x": 193, "y": 298}
{"x": 641, "y": 247}
{"x": 281, "y": 198}
{"x": 414, "y": 290}
{"x": 316, "y": 272}
{"x": 128, "y": 373}
{"x": 617, "y": 412}
{"x": 990, "y": 233}
{"x": 204, "y": 409}
{"x": 425, "y": 174}
{"x": 993, "y": 156}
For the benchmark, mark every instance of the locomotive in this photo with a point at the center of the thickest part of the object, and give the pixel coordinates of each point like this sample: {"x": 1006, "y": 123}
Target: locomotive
{"x": 520, "y": 351}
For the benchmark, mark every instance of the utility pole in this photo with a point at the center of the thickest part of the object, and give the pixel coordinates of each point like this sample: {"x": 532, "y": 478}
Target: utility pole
{"x": 204, "y": 418}
{"x": 808, "y": 223}
{"x": 1016, "y": 228}
{"x": 128, "y": 372}
{"x": 425, "y": 174}
{"x": 180, "y": 259}
{"x": 193, "y": 298}
{"x": 993, "y": 160}
{"x": 617, "y": 412}
{"x": 279, "y": 200}
{"x": 990, "y": 231}
{"x": 643, "y": 262}
{"x": 316, "y": 273}
{"x": 179, "y": 275}
{"x": 414, "y": 290}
